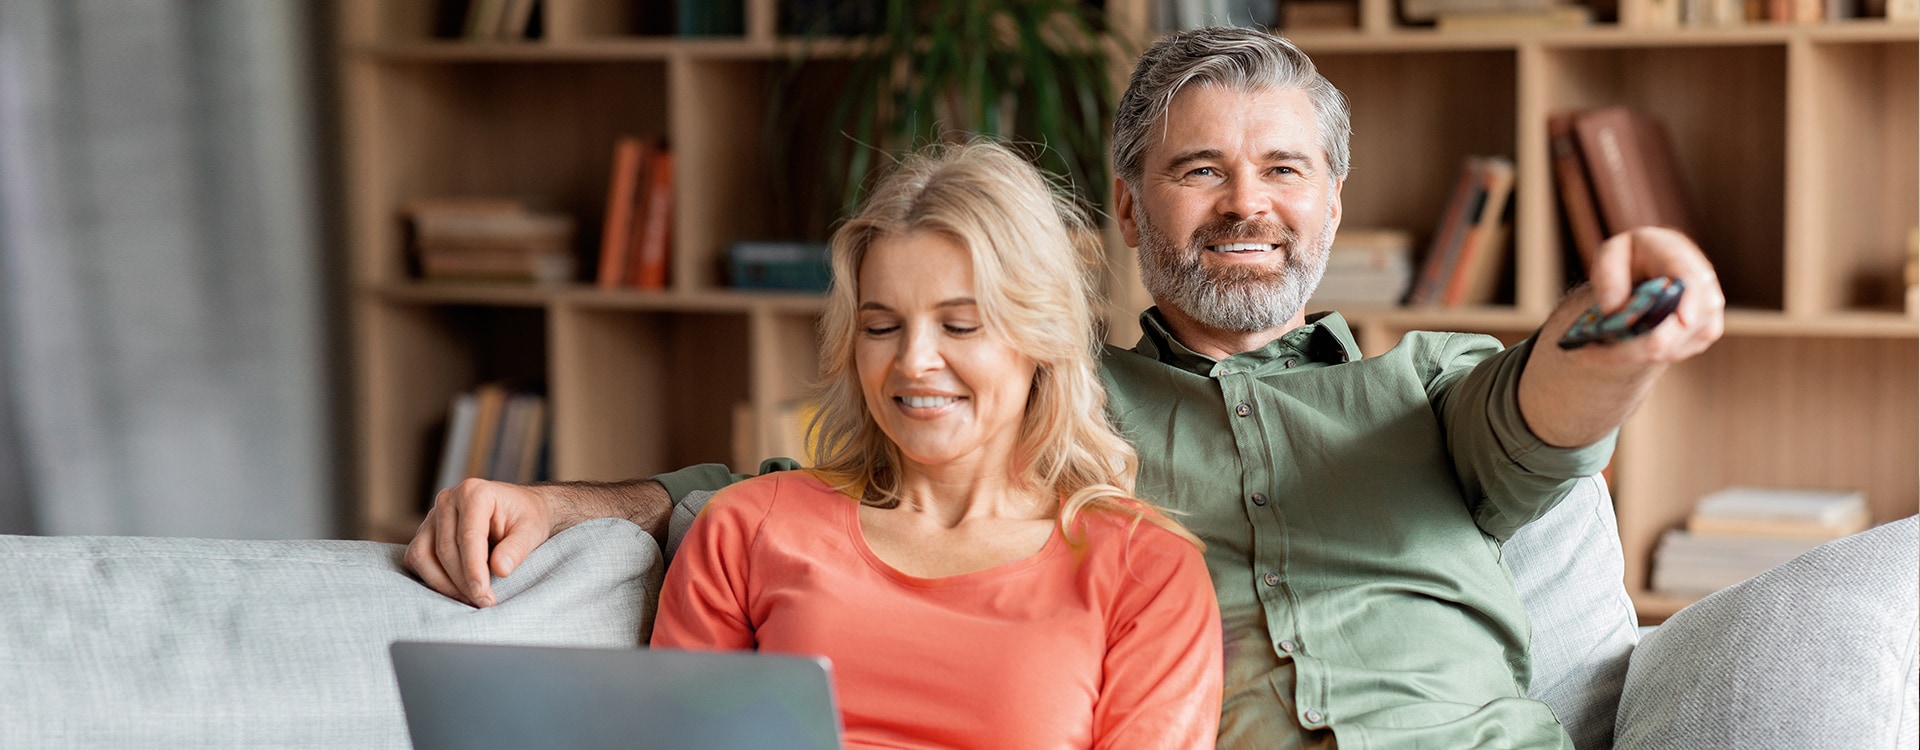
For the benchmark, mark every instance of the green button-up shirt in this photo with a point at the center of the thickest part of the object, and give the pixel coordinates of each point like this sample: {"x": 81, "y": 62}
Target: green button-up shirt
{"x": 1353, "y": 511}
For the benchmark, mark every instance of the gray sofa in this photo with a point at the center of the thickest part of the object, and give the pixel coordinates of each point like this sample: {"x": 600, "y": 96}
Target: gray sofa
{"x": 130, "y": 642}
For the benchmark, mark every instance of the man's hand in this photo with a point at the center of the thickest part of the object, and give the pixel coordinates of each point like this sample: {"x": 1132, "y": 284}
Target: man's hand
{"x": 473, "y": 527}
{"x": 478, "y": 528}
{"x": 1573, "y": 398}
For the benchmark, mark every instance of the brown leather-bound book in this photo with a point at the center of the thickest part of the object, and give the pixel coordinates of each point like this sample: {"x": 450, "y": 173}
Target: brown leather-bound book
{"x": 1636, "y": 177}
{"x": 1576, "y": 194}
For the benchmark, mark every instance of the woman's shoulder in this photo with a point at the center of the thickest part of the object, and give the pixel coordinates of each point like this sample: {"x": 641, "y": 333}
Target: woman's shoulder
{"x": 1134, "y": 531}
{"x": 794, "y": 491}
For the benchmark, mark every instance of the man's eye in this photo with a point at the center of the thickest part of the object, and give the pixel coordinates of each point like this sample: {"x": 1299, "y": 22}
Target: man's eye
{"x": 1202, "y": 172}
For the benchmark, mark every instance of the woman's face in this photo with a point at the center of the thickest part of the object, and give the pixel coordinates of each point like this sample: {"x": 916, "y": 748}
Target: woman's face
{"x": 944, "y": 387}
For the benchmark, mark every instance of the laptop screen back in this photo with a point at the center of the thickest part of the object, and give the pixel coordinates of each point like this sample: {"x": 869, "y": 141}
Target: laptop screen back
{"x": 474, "y": 696}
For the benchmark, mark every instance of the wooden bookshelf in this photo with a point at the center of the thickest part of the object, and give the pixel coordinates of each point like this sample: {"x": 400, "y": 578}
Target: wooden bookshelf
{"x": 1797, "y": 143}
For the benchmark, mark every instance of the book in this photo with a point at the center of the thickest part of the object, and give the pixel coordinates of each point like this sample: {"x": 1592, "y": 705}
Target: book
{"x": 652, "y": 244}
{"x": 533, "y": 442}
{"x": 1366, "y": 267}
{"x": 1635, "y": 172}
{"x": 1422, "y": 11}
{"x": 623, "y": 190}
{"x": 1483, "y": 251}
{"x": 1558, "y": 17}
{"x": 766, "y": 264}
{"x": 1687, "y": 564}
{"x": 458, "y": 444}
{"x": 1319, "y": 14}
{"x": 1461, "y": 211}
{"x": 515, "y": 19}
{"x": 1571, "y": 183}
{"x": 484, "y": 18}
{"x": 1650, "y": 14}
{"x": 491, "y": 399}
{"x": 1778, "y": 512}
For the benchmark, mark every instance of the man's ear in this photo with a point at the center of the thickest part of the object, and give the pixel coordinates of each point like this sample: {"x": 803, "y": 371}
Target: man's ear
{"x": 1333, "y": 220}
{"x": 1123, "y": 212}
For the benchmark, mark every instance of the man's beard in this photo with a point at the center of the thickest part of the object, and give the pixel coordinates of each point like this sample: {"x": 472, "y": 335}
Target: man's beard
{"x": 1242, "y": 299}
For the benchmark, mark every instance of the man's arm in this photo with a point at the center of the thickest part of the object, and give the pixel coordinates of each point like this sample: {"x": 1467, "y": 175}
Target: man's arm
{"x": 1575, "y": 397}
{"x": 480, "y": 527}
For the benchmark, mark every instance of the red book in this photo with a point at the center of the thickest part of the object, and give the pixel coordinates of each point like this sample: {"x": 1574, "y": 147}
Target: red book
{"x": 622, "y": 188}
{"x": 652, "y": 250}
{"x": 1442, "y": 253}
{"x": 1483, "y": 250}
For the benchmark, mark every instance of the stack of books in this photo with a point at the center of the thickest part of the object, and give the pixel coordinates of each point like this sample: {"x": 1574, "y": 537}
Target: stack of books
{"x": 490, "y": 239}
{"x": 1366, "y": 267}
{"x": 1740, "y": 532}
{"x": 1615, "y": 169}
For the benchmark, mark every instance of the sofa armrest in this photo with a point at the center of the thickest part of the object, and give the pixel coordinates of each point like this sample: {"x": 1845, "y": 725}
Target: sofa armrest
{"x": 1819, "y": 652}
{"x": 148, "y": 642}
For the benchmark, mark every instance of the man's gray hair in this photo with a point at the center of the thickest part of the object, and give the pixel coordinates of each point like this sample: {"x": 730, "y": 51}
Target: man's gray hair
{"x": 1239, "y": 58}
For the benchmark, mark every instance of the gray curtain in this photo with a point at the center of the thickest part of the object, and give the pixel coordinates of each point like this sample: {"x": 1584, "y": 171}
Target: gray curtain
{"x": 162, "y": 348}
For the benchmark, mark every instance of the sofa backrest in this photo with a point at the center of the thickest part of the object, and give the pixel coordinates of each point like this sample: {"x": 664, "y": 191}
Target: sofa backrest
{"x": 1818, "y": 652}
{"x": 1568, "y": 569}
{"x": 147, "y": 642}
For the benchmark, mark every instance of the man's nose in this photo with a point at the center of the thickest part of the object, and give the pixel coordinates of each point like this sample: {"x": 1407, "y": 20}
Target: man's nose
{"x": 1244, "y": 199}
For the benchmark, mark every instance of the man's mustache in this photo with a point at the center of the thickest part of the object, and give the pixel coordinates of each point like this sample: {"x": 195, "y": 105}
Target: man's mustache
{"x": 1227, "y": 230}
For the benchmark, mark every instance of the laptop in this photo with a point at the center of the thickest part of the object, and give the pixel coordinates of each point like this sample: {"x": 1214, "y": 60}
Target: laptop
{"x": 469, "y": 696}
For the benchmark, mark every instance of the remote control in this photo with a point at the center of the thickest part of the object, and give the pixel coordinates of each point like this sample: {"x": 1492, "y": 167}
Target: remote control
{"x": 1653, "y": 300}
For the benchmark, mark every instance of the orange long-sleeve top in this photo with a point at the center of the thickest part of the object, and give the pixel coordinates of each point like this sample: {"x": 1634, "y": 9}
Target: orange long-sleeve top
{"x": 1108, "y": 641}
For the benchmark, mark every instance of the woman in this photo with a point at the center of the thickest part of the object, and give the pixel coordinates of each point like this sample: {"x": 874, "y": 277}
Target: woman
{"x": 966, "y": 553}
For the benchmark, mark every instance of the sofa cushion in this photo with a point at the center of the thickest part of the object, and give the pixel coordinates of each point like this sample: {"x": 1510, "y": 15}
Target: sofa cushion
{"x": 148, "y": 642}
{"x": 1568, "y": 569}
{"x": 1819, "y": 652}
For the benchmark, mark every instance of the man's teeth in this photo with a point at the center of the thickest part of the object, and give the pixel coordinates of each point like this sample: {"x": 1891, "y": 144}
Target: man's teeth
{"x": 927, "y": 402}
{"x": 1241, "y": 247}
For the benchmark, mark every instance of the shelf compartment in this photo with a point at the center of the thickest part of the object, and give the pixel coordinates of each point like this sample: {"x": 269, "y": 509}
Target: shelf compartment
{"x": 540, "y": 132}
{"x": 420, "y": 357}
{"x": 1854, "y": 178}
{"x": 1733, "y": 175}
{"x": 1822, "y": 412}
{"x": 762, "y": 177}
{"x": 1402, "y": 174}
{"x": 636, "y": 393}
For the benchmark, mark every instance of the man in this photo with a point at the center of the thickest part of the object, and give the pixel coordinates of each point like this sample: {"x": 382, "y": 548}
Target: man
{"x": 1352, "y": 507}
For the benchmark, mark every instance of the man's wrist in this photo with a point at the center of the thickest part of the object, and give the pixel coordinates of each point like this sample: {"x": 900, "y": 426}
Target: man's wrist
{"x": 641, "y": 501}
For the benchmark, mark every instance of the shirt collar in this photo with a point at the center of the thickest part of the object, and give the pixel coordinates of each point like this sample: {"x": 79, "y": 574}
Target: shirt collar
{"x": 1325, "y": 339}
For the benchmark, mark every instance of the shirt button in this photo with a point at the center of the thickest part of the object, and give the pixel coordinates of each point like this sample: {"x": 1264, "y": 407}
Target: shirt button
{"x": 1287, "y": 647}
{"x": 1271, "y": 579}
{"x": 1243, "y": 410}
{"x": 1314, "y": 717}
{"x": 1292, "y": 362}
{"x": 1259, "y": 498}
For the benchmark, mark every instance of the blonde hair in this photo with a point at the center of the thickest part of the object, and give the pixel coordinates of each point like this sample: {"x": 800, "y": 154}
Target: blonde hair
{"x": 1033, "y": 285}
